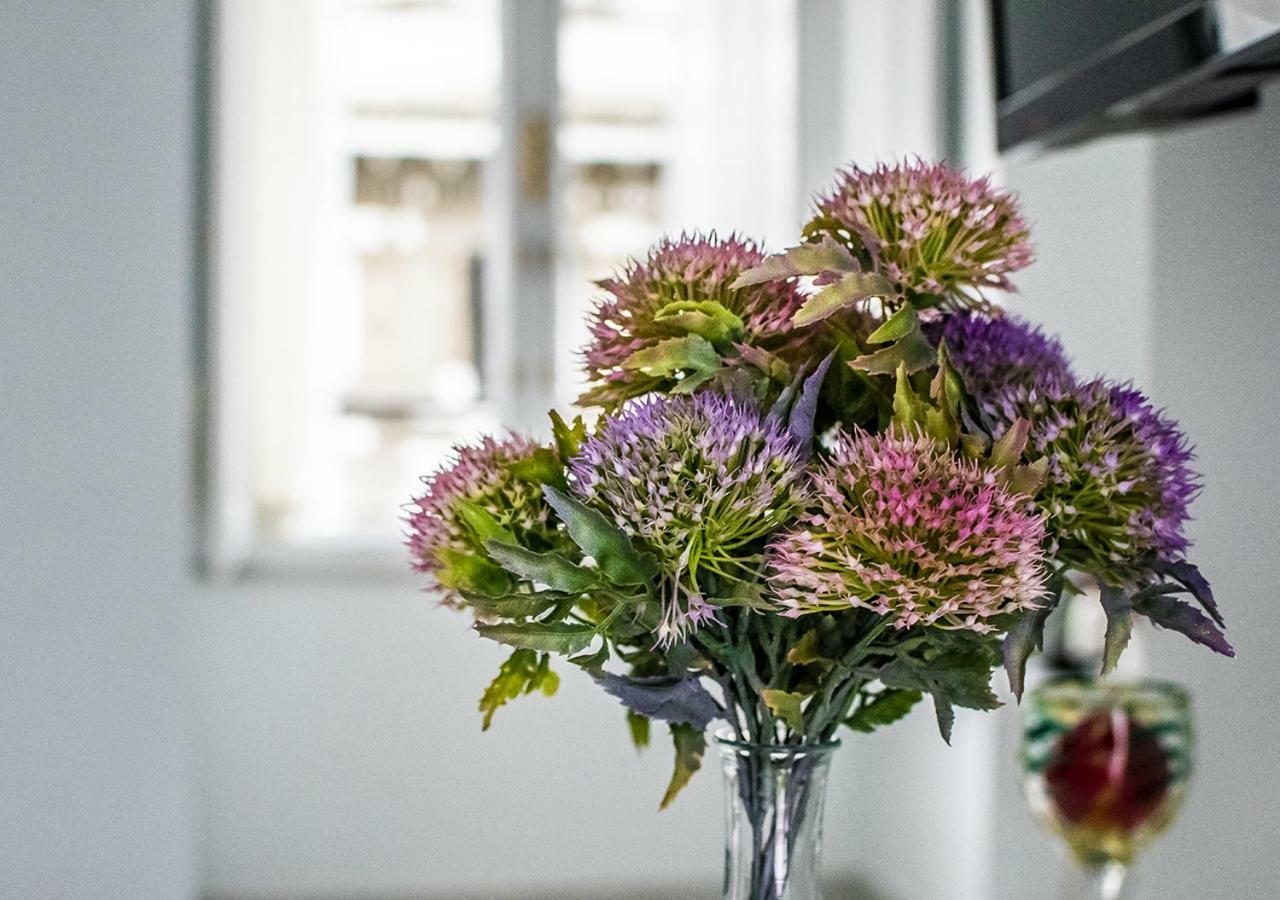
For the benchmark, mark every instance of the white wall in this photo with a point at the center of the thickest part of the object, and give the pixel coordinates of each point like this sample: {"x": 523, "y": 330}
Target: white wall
{"x": 1091, "y": 284}
{"x": 1215, "y": 322}
{"x": 95, "y": 214}
{"x": 342, "y": 755}
{"x": 1159, "y": 261}
{"x": 1091, "y": 223}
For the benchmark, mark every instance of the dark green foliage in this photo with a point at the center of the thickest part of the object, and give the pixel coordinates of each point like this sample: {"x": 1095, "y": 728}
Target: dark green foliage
{"x": 547, "y": 637}
{"x": 1119, "y": 609}
{"x": 956, "y": 671}
{"x": 550, "y": 569}
{"x": 614, "y": 554}
{"x": 884, "y": 708}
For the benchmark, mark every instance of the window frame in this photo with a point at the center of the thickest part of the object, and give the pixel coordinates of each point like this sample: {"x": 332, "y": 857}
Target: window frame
{"x": 521, "y": 204}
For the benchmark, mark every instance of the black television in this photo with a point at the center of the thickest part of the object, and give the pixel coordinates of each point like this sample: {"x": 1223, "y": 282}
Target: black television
{"x": 1068, "y": 70}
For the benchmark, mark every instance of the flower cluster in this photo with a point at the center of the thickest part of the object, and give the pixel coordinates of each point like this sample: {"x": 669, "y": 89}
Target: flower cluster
{"x": 931, "y": 230}
{"x": 486, "y": 475}
{"x": 1000, "y": 357}
{"x": 1119, "y": 479}
{"x": 809, "y": 499}
{"x": 700, "y": 480}
{"x": 903, "y": 527}
{"x": 690, "y": 270}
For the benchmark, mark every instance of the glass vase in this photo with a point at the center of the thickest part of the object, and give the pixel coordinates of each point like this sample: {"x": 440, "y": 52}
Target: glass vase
{"x": 774, "y": 796}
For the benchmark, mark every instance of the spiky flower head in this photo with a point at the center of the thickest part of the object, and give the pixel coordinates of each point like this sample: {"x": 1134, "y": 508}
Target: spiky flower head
{"x": 689, "y": 270}
{"x": 999, "y": 353}
{"x": 905, "y": 528}
{"x": 486, "y": 475}
{"x": 938, "y": 235}
{"x": 699, "y": 480}
{"x": 1119, "y": 479}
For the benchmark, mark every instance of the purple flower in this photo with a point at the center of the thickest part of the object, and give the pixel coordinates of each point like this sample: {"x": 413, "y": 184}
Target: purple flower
{"x": 482, "y": 474}
{"x": 903, "y": 527}
{"x": 1119, "y": 480}
{"x": 939, "y": 235}
{"x": 996, "y": 354}
{"x": 698, "y": 479}
{"x": 688, "y": 270}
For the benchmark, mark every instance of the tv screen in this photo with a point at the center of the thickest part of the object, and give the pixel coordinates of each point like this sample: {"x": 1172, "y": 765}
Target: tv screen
{"x": 1046, "y": 40}
{"x": 1069, "y": 70}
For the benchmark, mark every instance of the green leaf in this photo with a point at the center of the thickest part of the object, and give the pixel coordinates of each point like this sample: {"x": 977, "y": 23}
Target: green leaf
{"x": 744, "y": 593}
{"x": 522, "y": 673}
{"x": 692, "y": 355}
{"x": 550, "y": 569}
{"x": 940, "y": 425}
{"x": 1007, "y": 451}
{"x": 913, "y": 350}
{"x": 482, "y": 523}
{"x": 896, "y": 327}
{"x": 1025, "y": 636}
{"x": 705, "y": 318}
{"x": 945, "y": 714}
{"x": 947, "y": 387}
{"x": 884, "y": 708}
{"x": 1119, "y": 610}
{"x": 545, "y": 680}
{"x": 691, "y": 382}
{"x": 786, "y": 706}
{"x": 592, "y": 661}
{"x": 690, "y": 744}
{"x": 768, "y": 363}
{"x": 1026, "y": 479}
{"x": 638, "y": 725}
{"x": 807, "y": 652}
{"x": 547, "y": 637}
{"x": 952, "y": 678}
{"x": 465, "y": 571}
{"x": 542, "y": 466}
{"x": 908, "y": 409}
{"x": 941, "y": 421}
{"x": 615, "y": 555}
{"x": 568, "y": 438}
{"x": 1006, "y": 456}
{"x": 841, "y": 295}
{"x": 513, "y": 606}
{"x": 973, "y": 446}
{"x": 828, "y": 255}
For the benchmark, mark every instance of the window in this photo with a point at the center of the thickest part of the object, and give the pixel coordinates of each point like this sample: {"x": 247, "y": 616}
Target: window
{"x": 371, "y": 223}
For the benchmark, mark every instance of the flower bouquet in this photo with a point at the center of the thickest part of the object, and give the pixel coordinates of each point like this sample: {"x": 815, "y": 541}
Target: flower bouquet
{"x": 821, "y": 485}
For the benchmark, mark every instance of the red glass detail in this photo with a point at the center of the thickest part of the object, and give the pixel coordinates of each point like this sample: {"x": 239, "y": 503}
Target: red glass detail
{"x": 1108, "y": 772}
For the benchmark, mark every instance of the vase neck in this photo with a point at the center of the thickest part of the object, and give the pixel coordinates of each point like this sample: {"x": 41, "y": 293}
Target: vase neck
{"x": 774, "y": 797}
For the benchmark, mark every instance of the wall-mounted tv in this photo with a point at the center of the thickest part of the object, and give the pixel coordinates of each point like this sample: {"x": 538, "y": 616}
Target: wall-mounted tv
{"x": 1067, "y": 70}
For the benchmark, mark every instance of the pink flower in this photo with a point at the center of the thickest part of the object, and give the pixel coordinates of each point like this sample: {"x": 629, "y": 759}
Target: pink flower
{"x": 692, "y": 268}
{"x": 482, "y": 474}
{"x": 903, "y": 527}
{"x": 939, "y": 235}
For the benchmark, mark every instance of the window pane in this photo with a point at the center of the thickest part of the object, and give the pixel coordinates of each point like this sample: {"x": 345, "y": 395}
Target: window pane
{"x": 370, "y": 127}
{"x": 668, "y": 122}
{"x": 379, "y": 338}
